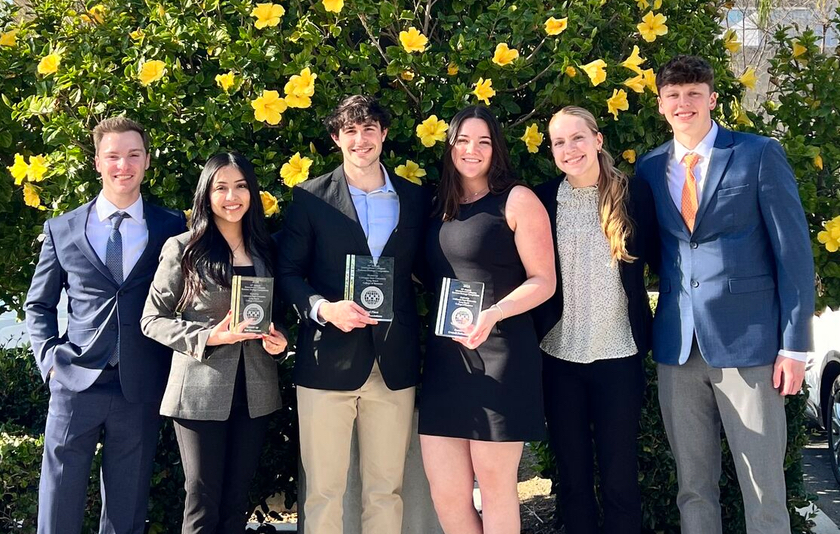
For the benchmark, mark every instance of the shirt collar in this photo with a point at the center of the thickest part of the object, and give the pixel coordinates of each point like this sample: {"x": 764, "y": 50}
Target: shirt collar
{"x": 104, "y": 208}
{"x": 703, "y": 148}
{"x": 387, "y": 188}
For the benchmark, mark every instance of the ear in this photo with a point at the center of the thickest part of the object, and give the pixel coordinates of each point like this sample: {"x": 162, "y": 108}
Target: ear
{"x": 659, "y": 105}
{"x": 96, "y": 163}
{"x": 713, "y": 101}
{"x": 384, "y": 134}
{"x": 335, "y": 140}
{"x": 148, "y": 161}
{"x": 600, "y": 138}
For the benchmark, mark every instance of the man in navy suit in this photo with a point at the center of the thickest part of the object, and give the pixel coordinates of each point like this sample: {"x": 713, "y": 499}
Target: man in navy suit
{"x": 104, "y": 375}
{"x": 736, "y": 296}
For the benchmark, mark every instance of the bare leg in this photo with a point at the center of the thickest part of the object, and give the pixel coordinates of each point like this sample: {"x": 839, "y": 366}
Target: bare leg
{"x": 449, "y": 469}
{"x": 496, "y": 465}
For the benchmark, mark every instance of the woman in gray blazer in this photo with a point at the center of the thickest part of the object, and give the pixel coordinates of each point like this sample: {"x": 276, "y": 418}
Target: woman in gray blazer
{"x": 223, "y": 382}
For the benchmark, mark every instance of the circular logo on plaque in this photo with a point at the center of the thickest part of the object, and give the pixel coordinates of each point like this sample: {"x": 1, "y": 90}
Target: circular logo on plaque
{"x": 372, "y": 297}
{"x": 254, "y": 312}
{"x": 462, "y": 317}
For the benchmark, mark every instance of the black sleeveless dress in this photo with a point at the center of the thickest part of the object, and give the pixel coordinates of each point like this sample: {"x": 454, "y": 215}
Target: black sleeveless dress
{"x": 493, "y": 393}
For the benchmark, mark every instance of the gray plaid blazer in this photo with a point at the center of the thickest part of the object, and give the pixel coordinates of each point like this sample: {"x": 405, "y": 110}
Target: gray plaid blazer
{"x": 201, "y": 379}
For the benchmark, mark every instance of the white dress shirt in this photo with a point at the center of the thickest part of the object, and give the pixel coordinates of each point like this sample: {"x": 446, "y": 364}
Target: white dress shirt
{"x": 676, "y": 181}
{"x": 135, "y": 234}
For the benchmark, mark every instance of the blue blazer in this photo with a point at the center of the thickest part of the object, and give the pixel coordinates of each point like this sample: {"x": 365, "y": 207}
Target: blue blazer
{"x": 743, "y": 282}
{"x": 98, "y": 307}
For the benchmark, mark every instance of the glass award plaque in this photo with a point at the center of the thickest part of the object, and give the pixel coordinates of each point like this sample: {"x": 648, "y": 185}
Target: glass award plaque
{"x": 459, "y": 306}
{"x": 370, "y": 284}
{"x": 251, "y": 298}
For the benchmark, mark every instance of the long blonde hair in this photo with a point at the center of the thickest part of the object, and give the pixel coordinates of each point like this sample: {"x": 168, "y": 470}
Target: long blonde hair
{"x": 613, "y": 190}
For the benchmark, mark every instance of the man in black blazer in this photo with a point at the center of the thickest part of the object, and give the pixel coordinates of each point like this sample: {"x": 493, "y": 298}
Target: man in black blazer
{"x": 349, "y": 367}
{"x": 103, "y": 373}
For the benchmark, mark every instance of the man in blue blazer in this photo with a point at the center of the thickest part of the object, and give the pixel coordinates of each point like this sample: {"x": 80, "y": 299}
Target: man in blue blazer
{"x": 104, "y": 375}
{"x": 736, "y": 297}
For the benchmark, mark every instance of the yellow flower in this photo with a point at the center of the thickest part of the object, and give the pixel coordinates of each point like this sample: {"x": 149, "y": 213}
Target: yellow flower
{"x": 269, "y": 107}
{"x": 407, "y": 75}
{"x": 37, "y": 168}
{"x": 596, "y": 70}
{"x": 830, "y": 237}
{"x": 652, "y": 25}
{"x": 152, "y": 71}
{"x": 300, "y": 88}
{"x": 269, "y": 203}
{"x": 533, "y": 138}
{"x": 188, "y": 215}
{"x": 452, "y": 69}
{"x": 629, "y": 156}
{"x": 504, "y": 55}
{"x": 296, "y": 170}
{"x": 137, "y": 35}
{"x": 411, "y": 172}
{"x": 798, "y": 49}
{"x": 571, "y": 72}
{"x": 413, "y": 41}
{"x": 19, "y": 169}
{"x": 650, "y": 80}
{"x": 267, "y": 14}
{"x": 9, "y": 38}
{"x": 30, "y": 196}
{"x": 634, "y": 61}
{"x": 431, "y": 131}
{"x": 644, "y": 4}
{"x": 555, "y": 26}
{"x": 744, "y": 119}
{"x": 226, "y": 81}
{"x": 818, "y": 162}
{"x": 49, "y": 63}
{"x": 334, "y": 6}
{"x": 617, "y": 102}
{"x": 749, "y": 78}
{"x": 484, "y": 90}
{"x": 730, "y": 41}
{"x": 636, "y": 83}
{"x": 97, "y": 12}
{"x": 161, "y": 11}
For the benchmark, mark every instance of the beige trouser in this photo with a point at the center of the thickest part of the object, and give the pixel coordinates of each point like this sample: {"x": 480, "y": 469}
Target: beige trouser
{"x": 383, "y": 420}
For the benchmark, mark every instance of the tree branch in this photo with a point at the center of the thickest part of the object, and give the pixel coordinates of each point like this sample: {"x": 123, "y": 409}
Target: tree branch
{"x": 375, "y": 42}
{"x": 531, "y": 113}
{"x": 532, "y": 80}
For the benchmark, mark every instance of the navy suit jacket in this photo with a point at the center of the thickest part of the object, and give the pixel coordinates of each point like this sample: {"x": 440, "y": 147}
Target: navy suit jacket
{"x": 98, "y": 307}
{"x": 743, "y": 281}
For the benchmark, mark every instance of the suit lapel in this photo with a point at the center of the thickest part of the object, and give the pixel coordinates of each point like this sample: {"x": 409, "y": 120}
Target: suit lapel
{"x": 154, "y": 226}
{"x": 77, "y": 223}
{"x": 660, "y": 182}
{"x": 714, "y": 174}
{"x": 340, "y": 198}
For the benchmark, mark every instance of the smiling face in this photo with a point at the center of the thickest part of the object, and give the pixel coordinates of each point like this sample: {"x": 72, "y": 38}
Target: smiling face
{"x": 575, "y": 148}
{"x": 229, "y": 196}
{"x": 472, "y": 150}
{"x": 687, "y": 108}
{"x": 361, "y": 143}
{"x": 121, "y": 160}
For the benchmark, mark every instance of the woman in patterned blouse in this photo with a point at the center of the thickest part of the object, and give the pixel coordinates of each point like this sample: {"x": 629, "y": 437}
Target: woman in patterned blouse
{"x": 595, "y": 331}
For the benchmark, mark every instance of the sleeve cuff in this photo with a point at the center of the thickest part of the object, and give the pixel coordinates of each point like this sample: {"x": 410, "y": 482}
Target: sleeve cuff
{"x": 313, "y": 314}
{"x": 794, "y": 355}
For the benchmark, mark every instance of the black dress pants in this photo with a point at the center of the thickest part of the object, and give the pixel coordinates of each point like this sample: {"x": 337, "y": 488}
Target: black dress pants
{"x": 598, "y": 402}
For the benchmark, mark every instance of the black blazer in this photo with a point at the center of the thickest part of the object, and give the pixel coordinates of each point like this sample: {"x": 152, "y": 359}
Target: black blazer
{"x": 98, "y": 307}
{"x": 320, "y": 228}
{"x": 643, "y": 244}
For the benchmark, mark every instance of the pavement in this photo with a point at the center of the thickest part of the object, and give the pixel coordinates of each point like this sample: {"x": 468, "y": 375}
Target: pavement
{"x": 819, "y": 481}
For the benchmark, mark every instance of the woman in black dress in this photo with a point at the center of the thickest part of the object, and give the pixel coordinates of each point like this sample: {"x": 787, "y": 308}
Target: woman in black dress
{"x": 481, "y": 395}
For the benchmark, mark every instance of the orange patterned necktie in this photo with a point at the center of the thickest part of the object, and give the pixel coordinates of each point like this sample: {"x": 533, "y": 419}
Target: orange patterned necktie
{"x": 689, "y": 192}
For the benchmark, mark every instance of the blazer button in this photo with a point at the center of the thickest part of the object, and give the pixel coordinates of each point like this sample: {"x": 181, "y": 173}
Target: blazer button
{"x": 695, "y": 283}
{"x": 694, "y": 244}
{"x": 112, "y": 326}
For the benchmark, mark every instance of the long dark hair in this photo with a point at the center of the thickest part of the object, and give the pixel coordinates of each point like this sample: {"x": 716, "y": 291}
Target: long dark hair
{"x": 500, "y": 176}
{"x": 207, "y": 255}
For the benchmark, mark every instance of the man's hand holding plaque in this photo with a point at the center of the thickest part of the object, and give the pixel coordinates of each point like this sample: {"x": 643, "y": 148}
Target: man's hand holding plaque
{"x": 369, "y": 283}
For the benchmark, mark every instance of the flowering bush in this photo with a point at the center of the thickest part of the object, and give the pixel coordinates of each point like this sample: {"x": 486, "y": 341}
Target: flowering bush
{"x": 259, "y": 78}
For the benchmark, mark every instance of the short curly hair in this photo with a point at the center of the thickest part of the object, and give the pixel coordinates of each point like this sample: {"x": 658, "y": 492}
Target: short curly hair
{"x": 357, "y": 109}
{"x": 684, "y": 69}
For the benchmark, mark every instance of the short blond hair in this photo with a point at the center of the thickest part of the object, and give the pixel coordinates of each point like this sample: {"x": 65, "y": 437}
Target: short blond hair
{"x": 119, "y": 124}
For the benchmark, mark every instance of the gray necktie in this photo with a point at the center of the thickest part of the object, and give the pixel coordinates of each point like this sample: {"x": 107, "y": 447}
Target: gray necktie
{"x": 114, "y": 262}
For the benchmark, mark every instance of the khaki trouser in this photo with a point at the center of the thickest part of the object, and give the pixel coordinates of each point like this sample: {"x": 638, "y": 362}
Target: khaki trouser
{"x": 383, "y": 419}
